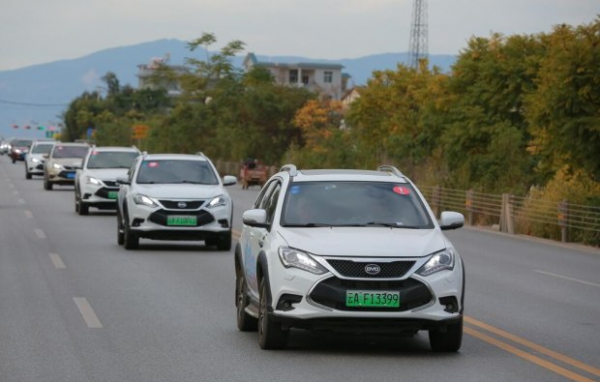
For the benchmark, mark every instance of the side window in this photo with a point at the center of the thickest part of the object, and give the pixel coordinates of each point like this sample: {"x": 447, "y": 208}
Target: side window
{"x": 271, "y": 204}
{"x": 131, "y": 170}
{"x": 264, "y": 195}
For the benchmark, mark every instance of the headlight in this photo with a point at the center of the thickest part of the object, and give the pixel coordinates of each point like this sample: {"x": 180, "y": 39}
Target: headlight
{"x": 17, "y": 151}
{"x": 94, "y": 181}
{"x": 36, "y": 160}
{"x": 293, "y": 258}
{"x": 220, "y": 200}
{"x": 439, "y": 261}
{"x": 144, "y": 200}
{"x": 57, "y": 166}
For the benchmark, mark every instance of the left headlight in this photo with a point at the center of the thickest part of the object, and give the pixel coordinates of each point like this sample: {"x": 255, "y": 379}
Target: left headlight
{"x": 57, "y": 166}
{"x": 92, "y": 180}
{"x": 36, "y": 160}
{"x": 220, "y": 200}
{"x": 443, "y": 260}
{"x": 294, "y": 258}
{"x": 144, "y": 200}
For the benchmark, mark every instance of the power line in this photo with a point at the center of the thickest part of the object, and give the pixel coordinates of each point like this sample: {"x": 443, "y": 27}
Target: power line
{"x": 32, "y": 104}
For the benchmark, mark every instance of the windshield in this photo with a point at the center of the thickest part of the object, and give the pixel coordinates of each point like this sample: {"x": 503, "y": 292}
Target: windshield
{"x": 70, "y": 151}
{"x": 21, "y": 143}
{"x": 111, "y": 159}
{"x": 42, "y": 148}
{"x": 176, "y": 171}
{"x": 356, "y": 204}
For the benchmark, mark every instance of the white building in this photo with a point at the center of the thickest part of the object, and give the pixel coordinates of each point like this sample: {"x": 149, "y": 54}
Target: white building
{"x": 325, "y": 79}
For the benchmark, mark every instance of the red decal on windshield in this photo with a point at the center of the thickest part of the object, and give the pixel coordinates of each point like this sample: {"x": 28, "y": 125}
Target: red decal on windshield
{"x": 153, "y": 164}
{"x": 401, "y": 190}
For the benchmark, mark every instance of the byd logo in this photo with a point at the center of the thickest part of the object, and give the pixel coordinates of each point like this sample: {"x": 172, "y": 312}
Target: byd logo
{"x": 372, "y": 269}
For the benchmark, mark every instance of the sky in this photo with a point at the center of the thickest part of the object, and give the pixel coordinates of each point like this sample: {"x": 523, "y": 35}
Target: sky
{"x": 40, "y": 31}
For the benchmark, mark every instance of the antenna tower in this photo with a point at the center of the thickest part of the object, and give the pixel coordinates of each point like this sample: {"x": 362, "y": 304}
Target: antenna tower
{"x": 418, "y": 34}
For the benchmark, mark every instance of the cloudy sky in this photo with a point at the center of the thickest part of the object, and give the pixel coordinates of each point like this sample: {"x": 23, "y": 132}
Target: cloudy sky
{"x": 40, "y": 31}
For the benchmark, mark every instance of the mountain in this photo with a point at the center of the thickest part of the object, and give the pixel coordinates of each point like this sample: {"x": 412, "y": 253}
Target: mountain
{"x": 37, "y": 95}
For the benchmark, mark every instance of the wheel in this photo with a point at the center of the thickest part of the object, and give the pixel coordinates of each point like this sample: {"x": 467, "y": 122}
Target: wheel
{"x": 120, "y": 234}
{"x": 14, "y": 160}
{"x": 448, "y": 340}
{"x": 270, "y": 334}
{"x": 27, "y": 174}
{"x": 130, "y": 239}
{"x": 245, "y": 322}
{"x": 47, "y": 185}
{"x": 84, "y": 209}
{"x": 224, "y": 241}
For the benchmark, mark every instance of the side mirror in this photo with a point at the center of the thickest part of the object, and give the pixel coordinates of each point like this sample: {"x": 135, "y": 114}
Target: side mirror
{"x": 123, "y": 181}
{"x": 451, "y": 220}
{"x": 46, "y": 156}
{"x": 229, "y": 180}
{"x": 255, "y": 218}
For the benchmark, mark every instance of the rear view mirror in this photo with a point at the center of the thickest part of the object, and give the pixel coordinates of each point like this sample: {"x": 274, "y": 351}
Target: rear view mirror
{"x": 451, "y": 220}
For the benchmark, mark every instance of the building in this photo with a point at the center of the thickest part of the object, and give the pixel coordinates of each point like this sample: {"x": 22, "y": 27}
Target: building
{"x": 147, "y": 76}
{"x": 323, "y": 78}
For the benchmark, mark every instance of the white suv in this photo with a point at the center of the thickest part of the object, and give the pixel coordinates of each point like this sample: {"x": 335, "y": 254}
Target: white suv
{"x": 96, "y": 181}
{"x": 174, "y": 197}
{"x": 34, "y": 160}
{"x": 348, "y": 251}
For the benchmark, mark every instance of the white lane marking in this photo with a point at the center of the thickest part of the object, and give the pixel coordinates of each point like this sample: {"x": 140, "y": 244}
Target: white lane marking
{"x": 87, "y": 312}
{"x": 567, "y": 278}
{"x": 40, "y": 234}
{"x": 28, "y": 214}
{"x": 57, "y": 261}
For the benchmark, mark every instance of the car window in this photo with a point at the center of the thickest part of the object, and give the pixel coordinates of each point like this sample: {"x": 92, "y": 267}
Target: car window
{"x": 69, "y": 151}
{"x": 111, "y": 159}
{"x": 355, "y": 204}
{"x": 176, "y": 171}
{"x": 263, "y": 195}
{"x": 42, "y": 148}
{"x": 271, "y": 202}
{"x": 21, "y": 143}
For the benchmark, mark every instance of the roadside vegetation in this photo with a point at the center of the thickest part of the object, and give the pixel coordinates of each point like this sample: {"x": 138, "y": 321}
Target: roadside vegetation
{"x": 517, "y": 114}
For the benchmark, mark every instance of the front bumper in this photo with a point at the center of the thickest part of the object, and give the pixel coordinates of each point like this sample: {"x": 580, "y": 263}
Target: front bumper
{"x": 62, "y": 176}
{"x": 100, "y": 196}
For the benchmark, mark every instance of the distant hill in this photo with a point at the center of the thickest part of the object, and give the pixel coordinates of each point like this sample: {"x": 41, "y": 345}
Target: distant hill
{"x": 26, "y": 93}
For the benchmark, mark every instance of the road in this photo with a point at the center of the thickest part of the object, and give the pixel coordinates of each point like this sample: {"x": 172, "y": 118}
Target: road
{"x": 76, "y": 307}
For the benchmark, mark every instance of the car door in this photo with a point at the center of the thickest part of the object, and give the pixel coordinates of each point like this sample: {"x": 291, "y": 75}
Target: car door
{"x": 252, "y": 238}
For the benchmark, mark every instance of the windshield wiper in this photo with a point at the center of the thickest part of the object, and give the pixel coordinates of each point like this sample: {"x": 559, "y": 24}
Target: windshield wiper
{"x": 309, "y": 225}
{"x": 192, "y": 182}
{"x": 392, "y": 225}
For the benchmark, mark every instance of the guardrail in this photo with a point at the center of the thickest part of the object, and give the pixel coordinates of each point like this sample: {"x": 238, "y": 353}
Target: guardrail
{"x": 515, "y": 214}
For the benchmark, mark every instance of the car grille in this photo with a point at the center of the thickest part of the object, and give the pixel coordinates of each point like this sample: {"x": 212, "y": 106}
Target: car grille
{"x": 103, "y": 192}
{"x": 160, "y": 217}
{"x": 348, "y": 268}
{"x": 174, "y": 204}
{"x": 70, "y": 168}
{"x": 39, "y": 167}
{"x": 110, "y": 183}
{"x": 332, "y": 293}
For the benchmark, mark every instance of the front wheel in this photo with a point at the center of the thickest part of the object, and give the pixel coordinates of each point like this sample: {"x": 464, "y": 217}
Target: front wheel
{"x": 120, "y": 234}
{"x": 130, "y": 239}
{"x": 270, "y": 334}
{"x": 448, "y": 340}
{"x": 245, "y": 322}
{"x": 224, "y": 241}
{"x": 47, "y": 185}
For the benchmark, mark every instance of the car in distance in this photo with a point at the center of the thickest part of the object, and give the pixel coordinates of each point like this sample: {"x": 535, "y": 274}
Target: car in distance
{"x": 19, "y": 148}
{"x": 174, "y": 197}
{"x": 62, "y": 162}
{"x": 348, "y": 251}
{"x": 96, "y": 182}
{"x": 34, "y": 160}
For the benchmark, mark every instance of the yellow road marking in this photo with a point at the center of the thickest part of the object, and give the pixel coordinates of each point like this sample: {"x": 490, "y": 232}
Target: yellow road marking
{"x": 529, "y": 357}
{"x": 236, "y": 234}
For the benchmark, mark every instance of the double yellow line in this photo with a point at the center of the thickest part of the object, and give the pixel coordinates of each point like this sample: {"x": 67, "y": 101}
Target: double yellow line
{"x": 532, "y": 346}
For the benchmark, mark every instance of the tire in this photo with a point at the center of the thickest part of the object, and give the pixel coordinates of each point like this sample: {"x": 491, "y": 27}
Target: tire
{"x": 271, "y": 335}
{"x": 27, "y": 174}
{"x": 449, "y": 340}
{"x": 130, "y": 239}
{"x": 47, "y": 185}
{"x": 245, "y": 322}
{"x": 224, "y": 241}
{"x": 84, "y": 209}
{"x": 120, "y": 234}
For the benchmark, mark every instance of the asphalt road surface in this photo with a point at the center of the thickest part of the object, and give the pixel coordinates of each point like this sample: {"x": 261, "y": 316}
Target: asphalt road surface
{"x": 76, "y": 307}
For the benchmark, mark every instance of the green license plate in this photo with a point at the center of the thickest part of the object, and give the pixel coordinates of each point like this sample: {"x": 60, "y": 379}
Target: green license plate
{"x": 113, "y": 194}
{"x": 182, "y": 220}
{"x": 372, "y": 299}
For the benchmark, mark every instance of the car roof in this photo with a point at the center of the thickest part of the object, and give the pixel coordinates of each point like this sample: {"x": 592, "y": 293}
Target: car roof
{"x": 115, "y": 148}
{"x": 347, "y": 175}
{"x": 72, "y": 144}
{"x": 174, "y": 157}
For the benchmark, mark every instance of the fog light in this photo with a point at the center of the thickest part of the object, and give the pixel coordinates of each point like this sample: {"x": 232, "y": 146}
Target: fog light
{"x": 287, "y": 301}
{"x": 450, "y": 304}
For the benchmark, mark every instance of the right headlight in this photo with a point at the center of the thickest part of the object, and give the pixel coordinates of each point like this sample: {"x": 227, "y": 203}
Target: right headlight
{"x": 144, "y": 200}
{"x": 442, "y": 260}
{"x": 294, "y": 258}
{"x": 57, "y": 166}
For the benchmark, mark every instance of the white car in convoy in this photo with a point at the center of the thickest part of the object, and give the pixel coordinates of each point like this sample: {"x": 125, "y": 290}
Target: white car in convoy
{"x": 96, "y": 182}
{"x": 62, "y": 163}
{"x": 348, "y": 251}
{"x": 174, "y": 197}
{"x": 34, "y": 160}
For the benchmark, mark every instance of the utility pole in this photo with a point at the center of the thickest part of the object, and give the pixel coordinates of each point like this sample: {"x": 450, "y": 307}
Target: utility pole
{"x": 418, "y": 34}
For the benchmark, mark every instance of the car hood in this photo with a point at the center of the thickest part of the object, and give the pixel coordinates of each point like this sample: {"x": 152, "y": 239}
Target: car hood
{"x": 369, "y": 241}
{"x": 74, "y": 162}
{"x": 106, "y": 173}
{"x": 180, "y": 191}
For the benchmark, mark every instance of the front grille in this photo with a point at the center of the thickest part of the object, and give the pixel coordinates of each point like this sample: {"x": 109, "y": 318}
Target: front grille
{"x": 110, "y": 183}
{"x": 70, "y": 168}
{"x": 160, "y": 216}
{"x": 104, "y": 191}
{"x": 174, "y": 204}
{"x": 332, "y": 293}
{"x": 39, "y": 167}
{"x": 67, "y": 174}
{"x": 349, "y": 268}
